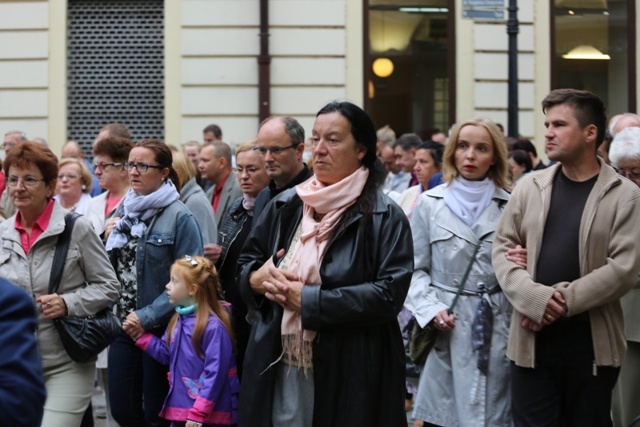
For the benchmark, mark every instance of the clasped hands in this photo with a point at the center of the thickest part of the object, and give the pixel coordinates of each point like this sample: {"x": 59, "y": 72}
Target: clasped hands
{"x": 556, "y": 306}
{"x": 280, "y": 286}
{"x": 133, "y": 326}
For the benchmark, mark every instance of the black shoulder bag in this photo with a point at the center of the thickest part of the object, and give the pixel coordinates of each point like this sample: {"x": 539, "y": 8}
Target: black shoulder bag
{"x": 82, "y": 337}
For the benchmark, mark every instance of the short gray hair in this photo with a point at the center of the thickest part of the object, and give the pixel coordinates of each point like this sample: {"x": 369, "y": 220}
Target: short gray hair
{"x": 222, "y": 149}
{"x": 22, "y": 135}
{"x": 625, "y": 146}
{"x": 614, "y": 123}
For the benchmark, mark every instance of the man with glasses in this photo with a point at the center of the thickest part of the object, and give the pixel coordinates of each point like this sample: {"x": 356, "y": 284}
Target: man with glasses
{"x": 11, "y": 139}
{"x": 215, "y": 165}
{"x": 280, "y": 144}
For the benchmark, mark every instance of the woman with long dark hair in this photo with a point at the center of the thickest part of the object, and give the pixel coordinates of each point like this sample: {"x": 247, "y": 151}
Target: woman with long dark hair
{"x": 324, "y": 274}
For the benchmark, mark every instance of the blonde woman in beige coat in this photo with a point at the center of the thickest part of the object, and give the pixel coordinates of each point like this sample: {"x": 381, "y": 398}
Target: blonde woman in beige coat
{"x": 88, "y": 282}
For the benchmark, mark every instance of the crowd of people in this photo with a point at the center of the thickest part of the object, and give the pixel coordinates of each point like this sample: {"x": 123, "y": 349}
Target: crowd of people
{"x": 263, "y": 287}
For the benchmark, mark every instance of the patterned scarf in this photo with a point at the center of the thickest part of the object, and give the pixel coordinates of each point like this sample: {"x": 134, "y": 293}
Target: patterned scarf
{"x": 137, "y": 210}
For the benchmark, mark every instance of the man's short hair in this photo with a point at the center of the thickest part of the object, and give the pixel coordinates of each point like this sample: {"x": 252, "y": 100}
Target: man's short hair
{"x": 407, "y": 141}
{"x": 222, "y": 149}
{"x": 21, "y": 135}
{"x": 217, "y": 132}
{"x": 525, "y": 145}
{"x": 117, "y": 129}
{"x": 192, "y": 144}
{"x": 612, "y": 126}
{"x": 386, "y": 134}
{"x": 292, "y": 128}
{"x": 589, "y": 108}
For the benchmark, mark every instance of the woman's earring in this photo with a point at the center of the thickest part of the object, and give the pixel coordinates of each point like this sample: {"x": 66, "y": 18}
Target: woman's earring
{"x": 84, "y": 187}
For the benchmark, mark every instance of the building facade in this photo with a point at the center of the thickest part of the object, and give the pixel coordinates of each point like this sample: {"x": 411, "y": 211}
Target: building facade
{"x": 69, "y": 66}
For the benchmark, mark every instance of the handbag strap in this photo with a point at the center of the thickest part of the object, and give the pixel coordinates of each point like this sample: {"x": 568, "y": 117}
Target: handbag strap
{"x": 464, "y": 278}
{"x": 62, "y": 247}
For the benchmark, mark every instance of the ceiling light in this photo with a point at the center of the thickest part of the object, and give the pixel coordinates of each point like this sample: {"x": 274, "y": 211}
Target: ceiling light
{"x": 424, "y": 9}
{"x": 382, "y": 67}
{"x": 585, "y": 51}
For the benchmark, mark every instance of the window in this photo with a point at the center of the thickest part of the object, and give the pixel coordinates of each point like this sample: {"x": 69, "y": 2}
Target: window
{"x": 115, "y": 67}
{"x": 594, "y": 49}
{"x": 407, "y": 65}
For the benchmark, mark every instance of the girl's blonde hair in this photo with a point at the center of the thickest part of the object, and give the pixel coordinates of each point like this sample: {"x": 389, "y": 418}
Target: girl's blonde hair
{"x": 497, "y": 172}
{"x": 199, "y": 273}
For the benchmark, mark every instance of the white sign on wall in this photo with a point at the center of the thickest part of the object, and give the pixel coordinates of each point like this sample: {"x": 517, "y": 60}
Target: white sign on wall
{"x": 483, "y": 9}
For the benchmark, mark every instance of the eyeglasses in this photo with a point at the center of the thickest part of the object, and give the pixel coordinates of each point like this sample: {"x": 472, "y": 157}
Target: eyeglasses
{"x": 27, "y": 181}
{"x": 104, "y": 166}
{"x": 249, "y": 170}
{"x": 273, "y": 150}
{"x": 193, "y": 262}
{"x": 140, "y": 167}
{"x": 634, "y": 176}
{"x": 68, "y": 176}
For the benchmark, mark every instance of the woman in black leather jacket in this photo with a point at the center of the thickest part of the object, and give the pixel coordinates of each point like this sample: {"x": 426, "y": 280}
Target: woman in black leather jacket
{"x": 325, "y": 347}
{"x": 233, "y": 232}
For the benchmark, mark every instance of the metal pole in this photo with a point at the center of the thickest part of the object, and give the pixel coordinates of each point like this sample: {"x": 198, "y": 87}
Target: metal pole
{"x": 264, "y": 64}
{"x": 512, "y": 31}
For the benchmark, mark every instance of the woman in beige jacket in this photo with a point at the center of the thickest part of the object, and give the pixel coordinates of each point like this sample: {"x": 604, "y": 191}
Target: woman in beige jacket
{"x": 88, "y": 282}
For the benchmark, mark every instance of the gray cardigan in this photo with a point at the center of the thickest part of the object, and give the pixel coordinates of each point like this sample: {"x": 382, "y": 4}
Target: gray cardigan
{"x": 196, "y": 200}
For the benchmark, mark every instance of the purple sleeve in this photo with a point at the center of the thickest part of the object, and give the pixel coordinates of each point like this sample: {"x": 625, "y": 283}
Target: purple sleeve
{"x": 154, "y": 346}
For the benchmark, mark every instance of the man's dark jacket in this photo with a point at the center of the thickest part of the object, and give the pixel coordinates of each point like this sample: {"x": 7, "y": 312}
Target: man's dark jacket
{"x": 268, "y": 193}
{"x": 358, "y": 355}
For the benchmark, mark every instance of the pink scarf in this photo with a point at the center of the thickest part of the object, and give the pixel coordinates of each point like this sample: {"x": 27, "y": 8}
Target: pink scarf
{"x": 330, "y": 201}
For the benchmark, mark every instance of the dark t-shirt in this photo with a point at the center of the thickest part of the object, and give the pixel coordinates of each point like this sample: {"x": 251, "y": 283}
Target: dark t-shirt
{"x": 559, "y": 258}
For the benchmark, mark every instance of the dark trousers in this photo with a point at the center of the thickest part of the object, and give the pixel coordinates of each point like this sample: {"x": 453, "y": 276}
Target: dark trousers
{"x": 565, "y": 389}
{"x": 137, "y": 385}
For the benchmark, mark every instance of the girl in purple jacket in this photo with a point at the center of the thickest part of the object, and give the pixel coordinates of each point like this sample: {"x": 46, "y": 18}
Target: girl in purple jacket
{"x": 198, "y": 346}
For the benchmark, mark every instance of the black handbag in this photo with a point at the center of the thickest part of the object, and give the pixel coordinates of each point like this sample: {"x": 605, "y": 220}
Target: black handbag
{"x": 82, "y": 337}
{"x": 423, "y": 339}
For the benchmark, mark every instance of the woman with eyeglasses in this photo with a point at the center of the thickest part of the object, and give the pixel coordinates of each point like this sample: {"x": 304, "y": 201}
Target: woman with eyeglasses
{"x": 154, "y": 229}
{"x": 624, "y": 154}
{"x": 74, "y": 186}
{"x": 88, "y": 283}
{"x": 235, "y": 227}
{"x": 109, "y": 156}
